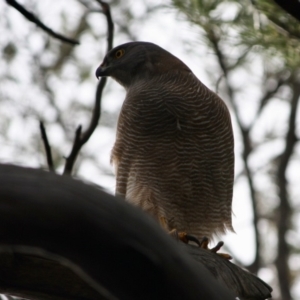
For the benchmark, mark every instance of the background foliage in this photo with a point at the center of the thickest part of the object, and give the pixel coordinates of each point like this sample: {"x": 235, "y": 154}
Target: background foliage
{"x": 248, "y": 53}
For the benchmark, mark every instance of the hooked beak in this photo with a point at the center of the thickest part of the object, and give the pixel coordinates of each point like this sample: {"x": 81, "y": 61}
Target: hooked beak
{"x": 102, "y": 70}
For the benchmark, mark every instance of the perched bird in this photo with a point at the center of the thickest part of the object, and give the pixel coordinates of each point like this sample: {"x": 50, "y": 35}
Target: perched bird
{"x": 173, "y": 153}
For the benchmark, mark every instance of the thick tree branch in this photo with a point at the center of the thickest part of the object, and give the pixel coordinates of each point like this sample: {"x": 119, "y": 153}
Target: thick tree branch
{"x": 32, "y": 18}
{"x": 110, "y": 245}
{"x": 84, "y": 136}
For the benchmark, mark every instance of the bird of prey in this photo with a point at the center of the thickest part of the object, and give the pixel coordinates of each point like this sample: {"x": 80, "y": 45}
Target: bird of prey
{"x": 173, "y": 153}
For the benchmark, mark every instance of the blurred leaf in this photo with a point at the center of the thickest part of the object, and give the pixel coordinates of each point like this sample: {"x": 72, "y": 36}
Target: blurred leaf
{"x": 9, "y": 51}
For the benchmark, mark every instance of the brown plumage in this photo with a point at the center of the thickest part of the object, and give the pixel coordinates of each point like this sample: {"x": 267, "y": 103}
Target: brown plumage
{"x": 174, "y": 146}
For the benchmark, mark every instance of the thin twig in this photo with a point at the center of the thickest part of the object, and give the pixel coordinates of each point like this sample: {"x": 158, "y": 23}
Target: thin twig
{"x": 32, "y": 18}
{"x": 269, "y": 94}
{"x": 218, "y": 83}
{"x": 264, "y": 100}
{"x": 83, "y": 137}
{"x": 47, "y": 147}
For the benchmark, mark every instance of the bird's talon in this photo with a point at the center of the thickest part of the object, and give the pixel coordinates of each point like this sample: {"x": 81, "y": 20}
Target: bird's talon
{"x": 179, "y": 235}
{"x": 217, "y": 247}
{"x": 204, "y": 243}
{"x": 184, "y": 237}
{"x": 225, "y": 255}
{"x": 191, "y": 238}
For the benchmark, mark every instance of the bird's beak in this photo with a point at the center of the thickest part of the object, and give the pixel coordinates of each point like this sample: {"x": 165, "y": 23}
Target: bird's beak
{"x": 102, "y": 70}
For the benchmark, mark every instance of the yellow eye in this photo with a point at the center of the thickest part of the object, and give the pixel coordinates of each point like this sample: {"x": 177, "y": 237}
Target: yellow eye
{"x": 119, "y": 53}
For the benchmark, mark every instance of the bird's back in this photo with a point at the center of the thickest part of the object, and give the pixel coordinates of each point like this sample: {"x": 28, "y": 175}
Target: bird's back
{"x": 174, "y": 153}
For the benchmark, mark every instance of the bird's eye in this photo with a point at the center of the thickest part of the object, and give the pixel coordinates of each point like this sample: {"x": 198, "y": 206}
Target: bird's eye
{"x": 119, "y": 53}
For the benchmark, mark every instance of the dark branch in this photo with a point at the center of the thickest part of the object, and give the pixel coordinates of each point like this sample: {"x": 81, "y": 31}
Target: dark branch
{"x": 254, "y": 267}
{"x": 284, "y": 212}
{"x": 32, "y": 18}
{"x": 47, "y": 147}
{"x": 70, "y": 160}
{"x": 84, "y": 137}
{"x": 269, "y": 94}
{"x": 115, "y": 245}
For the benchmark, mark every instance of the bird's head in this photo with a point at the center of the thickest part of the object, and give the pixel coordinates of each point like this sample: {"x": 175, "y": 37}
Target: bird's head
{"x": 134, "y": 61}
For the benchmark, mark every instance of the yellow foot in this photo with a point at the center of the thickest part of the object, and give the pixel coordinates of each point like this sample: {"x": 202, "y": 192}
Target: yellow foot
{"x": 184, "y": 237}
{"x": 204, "y": 245}
{"x": 179, "y": 235}
{"x": 163, "y": 223}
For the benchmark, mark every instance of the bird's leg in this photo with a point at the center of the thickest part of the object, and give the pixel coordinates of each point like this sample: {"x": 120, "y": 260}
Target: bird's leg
{"x": 179, "y": 235}
{"x": 204, "y": 245}
{"x": 163, "y": 223}
{"x": 186, "y": 238}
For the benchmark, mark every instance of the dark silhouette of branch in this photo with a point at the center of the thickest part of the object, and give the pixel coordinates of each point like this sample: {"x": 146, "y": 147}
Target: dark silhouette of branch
{"x": 47, "y": 147}
{"x": 111, "y": 249}
{"x": 284, "y": 210}
{"x": 84, "y": 136}
{"x": 268, "y": 95}
{"x": 32, "y": 18}
{"x": 116, "y": 248}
